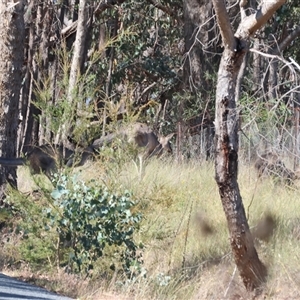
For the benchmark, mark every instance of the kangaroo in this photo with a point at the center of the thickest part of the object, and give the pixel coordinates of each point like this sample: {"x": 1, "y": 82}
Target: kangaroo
{"x": 142, "y": 136}
{"x": 44, "y": 159}
{"x": 270, "y": 164}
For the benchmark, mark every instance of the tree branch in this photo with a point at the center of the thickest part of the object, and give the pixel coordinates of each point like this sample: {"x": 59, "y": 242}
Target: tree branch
{"x": 224, "y": 24}
{"x": 255, "y": 21}
{"x": 291, "y": 37}
{"x": 243, "y": 4}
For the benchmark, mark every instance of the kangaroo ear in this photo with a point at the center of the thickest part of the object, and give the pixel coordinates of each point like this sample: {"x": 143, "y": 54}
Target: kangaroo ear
{"x": 165, "y": 139}
{"x": 169, "y": 136}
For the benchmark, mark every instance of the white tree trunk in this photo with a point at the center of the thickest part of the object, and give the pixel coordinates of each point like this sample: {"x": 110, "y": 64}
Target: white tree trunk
{"x": 75, "y": 68}
{"x": 78, "y": 49}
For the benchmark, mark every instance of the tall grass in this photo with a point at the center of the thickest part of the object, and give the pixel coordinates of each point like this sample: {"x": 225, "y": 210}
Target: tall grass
{"x": 185, "y": 261}
{"x": 187, "y": 253}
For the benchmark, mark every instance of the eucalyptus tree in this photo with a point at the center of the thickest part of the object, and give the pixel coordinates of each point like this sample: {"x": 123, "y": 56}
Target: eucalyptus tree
{"x": 253, "y": 272}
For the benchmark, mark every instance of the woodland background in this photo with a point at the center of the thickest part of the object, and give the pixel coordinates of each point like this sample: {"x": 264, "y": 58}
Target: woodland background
{"x": 155, "y": 62}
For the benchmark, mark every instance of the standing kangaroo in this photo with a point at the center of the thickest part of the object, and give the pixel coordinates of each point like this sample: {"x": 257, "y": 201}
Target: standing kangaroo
{"x": 45, "y": 158}
{"x": 142, "y": 136}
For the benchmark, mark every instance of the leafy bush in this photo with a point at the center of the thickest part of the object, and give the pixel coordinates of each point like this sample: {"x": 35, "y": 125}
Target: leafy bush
{"x": 89, "y": 218}
{"x": 75, "y": 225}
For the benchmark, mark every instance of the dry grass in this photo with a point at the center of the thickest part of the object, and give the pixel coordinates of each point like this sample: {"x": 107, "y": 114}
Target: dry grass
{"x": 184, "y": 230}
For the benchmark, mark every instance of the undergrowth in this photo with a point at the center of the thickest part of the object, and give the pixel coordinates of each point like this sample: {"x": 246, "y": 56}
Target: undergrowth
{"x": 186, "y": 250}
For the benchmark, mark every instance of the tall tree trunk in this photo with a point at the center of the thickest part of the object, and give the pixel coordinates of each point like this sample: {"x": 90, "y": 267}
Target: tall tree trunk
{"x": 251, "y": 269}
{"x": 11, "y": 63}
{"x": 27, "y": 123}
{"x": 78, "y": 49}
{"x": 198, "y": 32}
{"x": 76, "y": 65}
{"x": 200, "y": 56}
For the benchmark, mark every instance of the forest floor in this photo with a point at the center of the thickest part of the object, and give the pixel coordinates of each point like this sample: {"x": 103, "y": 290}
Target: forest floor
{"x": 187, "y": 252}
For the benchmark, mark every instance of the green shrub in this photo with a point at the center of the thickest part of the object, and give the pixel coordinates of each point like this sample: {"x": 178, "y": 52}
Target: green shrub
{"x": 89, "y": 218}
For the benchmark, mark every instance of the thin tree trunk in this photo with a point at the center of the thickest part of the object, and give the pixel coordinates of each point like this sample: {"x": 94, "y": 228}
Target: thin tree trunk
{"x": 32, "y": 117}
{"x": 45, "y": 73}
{"x": 27, "y": 123}
{"x": 76, "y": 64}
{"x": 256, "y": 67}
{"x": 273, "y": 79}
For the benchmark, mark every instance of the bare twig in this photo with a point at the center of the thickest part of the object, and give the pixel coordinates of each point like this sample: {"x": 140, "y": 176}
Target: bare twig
{"x": 294, "y": 63}
{"x": 146, "y": 90}
{"x": 166, "y": 10}
{"x": 288, "y": 64}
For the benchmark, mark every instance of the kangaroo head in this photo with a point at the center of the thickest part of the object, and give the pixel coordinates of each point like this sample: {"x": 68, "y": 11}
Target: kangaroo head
{"x": 165, "y": 143}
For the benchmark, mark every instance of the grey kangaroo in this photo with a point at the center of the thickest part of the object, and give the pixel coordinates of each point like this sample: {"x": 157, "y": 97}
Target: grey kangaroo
{"x": 142, "y": 136}
{"x": 270, "y": 164}
{"x": 45, "y": 158}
